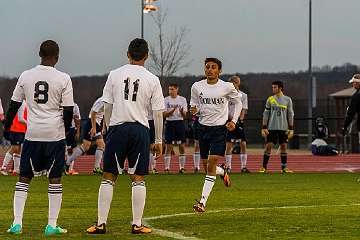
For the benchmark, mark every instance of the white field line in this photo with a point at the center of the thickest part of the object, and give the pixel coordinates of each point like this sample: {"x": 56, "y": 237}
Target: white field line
{"x": 175, "y": 235}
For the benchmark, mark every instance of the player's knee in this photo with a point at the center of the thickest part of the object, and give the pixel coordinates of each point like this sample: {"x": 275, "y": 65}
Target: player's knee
{"x": 182, "y": 148}
{"x": 86, "y": 145}
{"x": 137, "y": 178}
{"x": 25, "y": 179}
{"x": 16, "y": 149}
{"x": 55, "y": 180}
{"x": 109, "y": 176}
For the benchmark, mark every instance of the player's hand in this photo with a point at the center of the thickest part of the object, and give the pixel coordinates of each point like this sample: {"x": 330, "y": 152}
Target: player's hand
{"x": 158, "y": 150}
{"x": 193, "y": 110}
{"x": 264, "y": 132}
{"x": 92, "y": 132}
{"x": 290, "y": 134}
{"x": 230, "y": 126}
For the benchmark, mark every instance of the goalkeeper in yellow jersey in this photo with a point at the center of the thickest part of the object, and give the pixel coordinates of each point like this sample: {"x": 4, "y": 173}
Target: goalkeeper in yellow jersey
{"x": 277, "y": 125}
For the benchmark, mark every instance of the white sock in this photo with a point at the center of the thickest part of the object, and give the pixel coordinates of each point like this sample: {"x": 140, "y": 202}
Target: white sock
{"x": 196, "y": 157}
{"x": 219, "y": 171}
{"x": 208, "y": 185}
{"x": 7, "y": 159}
{"x": 104, "y": 200}
{"x": 55, "y": 199}
{"x": 167, "y": 159}
{"x": 20, "y": 196}
{"x": 16, "y": 158}
{"x": 138, "y": 201}
{"x": 182, "y": 159}
{"x": 78, "y": 151}
{"x": 243, "y": 159}
{"x": 228, "y": 159}
{"x": 98, "y": 157}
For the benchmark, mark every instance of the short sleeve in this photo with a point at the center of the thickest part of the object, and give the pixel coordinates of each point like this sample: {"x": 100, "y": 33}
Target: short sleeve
{"x": 157, "y": 97}
{"x": 194, "y": 99}
{"x": 184, "y": 105}
{"x": 67, "y": 98}
{"x": 19, "y": 93}
{"x": 107, "y": 92}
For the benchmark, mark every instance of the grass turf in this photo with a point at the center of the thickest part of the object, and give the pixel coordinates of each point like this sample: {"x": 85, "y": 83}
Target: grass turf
{"x": 249, "y": 207}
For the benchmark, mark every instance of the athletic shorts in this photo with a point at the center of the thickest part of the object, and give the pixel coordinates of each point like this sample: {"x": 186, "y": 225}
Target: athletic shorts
{"x": 71, "y": 138}
{"x": 277, "y": 136}
{"x": 16, "y": 138}
{"x": 175, "y": 132}
{"x": 86, "y": 131}
{"x": 37, "y": 156}
{"x": 127, "y": 141}
{"x": 212, "y": 140}
{"x": 237, "y": 135}
{"x": 195, "y": 127}
{"x": 151, "y": 131}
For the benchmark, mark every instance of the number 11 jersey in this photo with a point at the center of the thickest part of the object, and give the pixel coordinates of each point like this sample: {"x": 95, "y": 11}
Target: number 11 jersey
{"x": 45, "y": 90}
{"x": 131, "y": 88}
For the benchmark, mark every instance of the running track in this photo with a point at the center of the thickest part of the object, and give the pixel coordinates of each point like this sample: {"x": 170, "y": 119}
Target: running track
{"x": 297, "y": 163}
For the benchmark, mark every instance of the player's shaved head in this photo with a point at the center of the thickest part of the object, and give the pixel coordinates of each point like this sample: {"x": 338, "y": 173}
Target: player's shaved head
{"x": 49, "y": 49}
{"x": 138, "y": 49}
{"x": 214, "y": 60}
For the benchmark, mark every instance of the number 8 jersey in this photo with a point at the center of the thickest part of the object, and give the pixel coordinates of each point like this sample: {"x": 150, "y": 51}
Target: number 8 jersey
{"x": 45, "y": 90}
{"x": 131, "y": 88}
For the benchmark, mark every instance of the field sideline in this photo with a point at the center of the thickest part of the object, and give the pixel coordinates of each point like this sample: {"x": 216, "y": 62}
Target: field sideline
{"x": 271, "y": 206}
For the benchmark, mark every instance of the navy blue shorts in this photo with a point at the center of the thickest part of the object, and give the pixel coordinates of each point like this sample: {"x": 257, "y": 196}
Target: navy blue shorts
{"x": 37, "y": 156}
{"x": 86, "y": 131}
{"x": 127, "y": 141}
{"x": 16, "y": 138}
{"x": 195, "y": 127}
{"x": 212, "y": 140}
{"x": 175, "y": 132}
{"x": 70, "y": 138}
{"x": 237, "y": 135}
{"x": 151, "y": 131}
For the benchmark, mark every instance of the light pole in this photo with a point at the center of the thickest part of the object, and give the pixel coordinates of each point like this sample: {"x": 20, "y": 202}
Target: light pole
{"x": 310, "y": 80}
{"x": 146, "y": 7}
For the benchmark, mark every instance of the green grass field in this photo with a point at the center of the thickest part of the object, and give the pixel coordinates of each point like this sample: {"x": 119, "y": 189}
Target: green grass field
{"x": 274, "y": 206}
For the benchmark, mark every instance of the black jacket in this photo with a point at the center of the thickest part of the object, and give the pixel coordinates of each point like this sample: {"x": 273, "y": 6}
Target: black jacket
{"x": 353, "y": 109}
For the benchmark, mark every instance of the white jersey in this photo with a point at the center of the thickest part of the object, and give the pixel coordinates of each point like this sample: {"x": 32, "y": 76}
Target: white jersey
{"x": 45, "y": 90}
{"x": 76, "y": 113}
{"x": 178, "y": 102}
{"x": 244, "y": 102}
{"x": 131, "y": 88}
{"x": 98, "y": 107}
{"x": 212, "y": 100}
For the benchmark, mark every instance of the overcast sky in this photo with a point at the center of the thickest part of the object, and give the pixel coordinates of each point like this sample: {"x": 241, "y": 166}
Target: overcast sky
{"x": 247, "y": 35}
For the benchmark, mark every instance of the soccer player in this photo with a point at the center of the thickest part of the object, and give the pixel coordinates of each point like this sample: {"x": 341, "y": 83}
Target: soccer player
{"x": 210, "y": 98}
{"x": 278, "y": 125}
{"x": 238, "y": 135}
{"x": 127, "y": 94}
{"x": 49, "y": 97}
{"x": 175, "y": 113}
{"x": 92, "y": 132}
{"x": 16, "y": 137}
{"x": 73, "y": 136}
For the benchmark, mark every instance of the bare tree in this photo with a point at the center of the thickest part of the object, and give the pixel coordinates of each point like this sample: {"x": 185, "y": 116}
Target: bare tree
{"x": 169, "y": 53}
